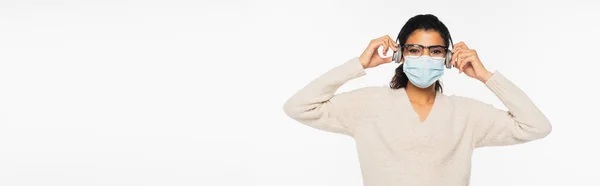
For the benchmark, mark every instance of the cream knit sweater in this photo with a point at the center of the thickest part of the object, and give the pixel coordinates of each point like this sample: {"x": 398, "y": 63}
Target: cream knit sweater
{"x": 394, "y": 147}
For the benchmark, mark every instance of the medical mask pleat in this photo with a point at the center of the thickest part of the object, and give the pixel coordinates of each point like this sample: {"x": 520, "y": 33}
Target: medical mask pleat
{"x": 423, "y": 71}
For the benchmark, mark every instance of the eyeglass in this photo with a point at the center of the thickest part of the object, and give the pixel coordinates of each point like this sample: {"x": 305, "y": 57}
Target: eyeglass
{"x": 416, "y": 50}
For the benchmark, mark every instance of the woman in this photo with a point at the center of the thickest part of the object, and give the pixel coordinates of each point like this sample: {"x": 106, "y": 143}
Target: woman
{"x": 411, "y": 133}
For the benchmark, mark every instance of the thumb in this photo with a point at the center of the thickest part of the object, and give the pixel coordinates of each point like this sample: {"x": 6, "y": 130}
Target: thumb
{"x": 387, "y": 59}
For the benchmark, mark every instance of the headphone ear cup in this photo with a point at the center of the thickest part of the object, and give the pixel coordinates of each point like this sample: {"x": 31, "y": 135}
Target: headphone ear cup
{"x": 397, "y": 54}
{"x": 396, "y": 58}
{"x": 448, "y": 60}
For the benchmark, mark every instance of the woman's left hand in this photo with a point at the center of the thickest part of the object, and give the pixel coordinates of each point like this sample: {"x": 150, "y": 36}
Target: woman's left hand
{"x": 467, "y": 61}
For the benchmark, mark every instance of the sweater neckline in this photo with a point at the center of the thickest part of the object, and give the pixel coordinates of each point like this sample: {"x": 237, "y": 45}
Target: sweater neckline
{"x": 409, "y": 109}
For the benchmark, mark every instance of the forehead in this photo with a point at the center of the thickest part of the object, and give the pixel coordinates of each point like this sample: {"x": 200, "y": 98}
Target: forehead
{"x": 425, "y": 37}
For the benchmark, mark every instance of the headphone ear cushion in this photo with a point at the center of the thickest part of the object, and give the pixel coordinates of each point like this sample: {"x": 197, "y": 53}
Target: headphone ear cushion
{"x": 448, "y": 60}
{"x": 397, "y": 54}
{"x": 396, "y": 58}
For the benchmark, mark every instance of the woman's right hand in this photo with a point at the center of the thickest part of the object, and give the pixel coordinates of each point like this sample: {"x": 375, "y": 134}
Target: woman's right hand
{"x": 370, "y": 58}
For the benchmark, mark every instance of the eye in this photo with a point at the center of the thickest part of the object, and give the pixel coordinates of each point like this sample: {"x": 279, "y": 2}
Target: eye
{"x": 437, "y": 51}
{"x": 413, "y": 51}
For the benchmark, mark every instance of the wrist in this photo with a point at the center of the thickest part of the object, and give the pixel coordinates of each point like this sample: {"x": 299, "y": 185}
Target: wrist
{"x": 485, "y": 76}
{"x": 362, "y": 62}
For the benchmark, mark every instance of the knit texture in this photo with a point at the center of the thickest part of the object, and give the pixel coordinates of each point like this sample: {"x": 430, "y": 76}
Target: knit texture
{"x": 394, "y": 147}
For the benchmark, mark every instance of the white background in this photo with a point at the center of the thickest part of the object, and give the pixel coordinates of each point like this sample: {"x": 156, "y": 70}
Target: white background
{"x": 139, "y": 92}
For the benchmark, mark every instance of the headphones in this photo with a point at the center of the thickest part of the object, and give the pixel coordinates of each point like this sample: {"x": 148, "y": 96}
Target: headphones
{"x": 398, "y": 55}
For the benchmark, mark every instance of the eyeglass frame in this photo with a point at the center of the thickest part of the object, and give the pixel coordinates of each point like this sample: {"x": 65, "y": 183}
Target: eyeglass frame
{"x": 446, "y": 49}
{"x": 397, "y": 56}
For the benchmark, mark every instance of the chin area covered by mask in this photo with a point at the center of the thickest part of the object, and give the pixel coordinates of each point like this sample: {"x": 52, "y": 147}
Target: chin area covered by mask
{"x": 423, "y": 71}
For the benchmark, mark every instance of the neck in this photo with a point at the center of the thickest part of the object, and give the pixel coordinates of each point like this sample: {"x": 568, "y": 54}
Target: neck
{"x": 420, "y": 96}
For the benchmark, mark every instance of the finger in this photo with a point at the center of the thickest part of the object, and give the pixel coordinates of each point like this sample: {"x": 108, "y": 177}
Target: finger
{"x": 390, "y": 43}
{"x": 385, "y": 47}
{"x": 455, "y": 57}
{"x": 395, "y": 44}
{"x": 476, "y": 62}
{"x": 383, "y": 38}
{"x": 459, "y": 46}
{"x": 467, "y": 60}
{"x": 388, "y": 38}
{"x": 458, "y": 65}
{"x": 461, "y": 56}
{"x": 468, "y": 57}
{"x": 372, "y": 48}
{"x": 456, "y": 46}
{"x": 375, "y": 44}
{"x": 380, "y": 48}
{"x": 387, "y": 59}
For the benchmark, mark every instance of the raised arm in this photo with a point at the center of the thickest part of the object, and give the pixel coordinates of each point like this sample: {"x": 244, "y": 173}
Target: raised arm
{"x": 523, "y": 122}
{"x": 316, "y": 104}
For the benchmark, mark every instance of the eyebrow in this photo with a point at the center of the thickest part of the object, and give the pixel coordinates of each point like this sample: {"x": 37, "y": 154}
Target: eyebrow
{"x": 427, "y": 46}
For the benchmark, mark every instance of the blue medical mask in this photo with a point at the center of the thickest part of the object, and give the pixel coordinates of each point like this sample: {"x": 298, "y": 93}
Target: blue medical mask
{"x": 423, "y": 71}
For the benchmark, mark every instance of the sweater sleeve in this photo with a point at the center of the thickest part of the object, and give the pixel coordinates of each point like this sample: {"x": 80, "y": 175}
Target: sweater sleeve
{"x": 523, "y": 122}
{"x": 317, "y": 106}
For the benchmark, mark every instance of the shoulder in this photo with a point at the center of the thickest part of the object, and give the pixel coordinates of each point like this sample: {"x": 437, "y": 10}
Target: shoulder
{"x": 373, "y": 89}
{"x": 369, "y": 91}
{"x": 471, "y": 105}
{"x": 364, "y": 94}
{"x": 466, "y": 102}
